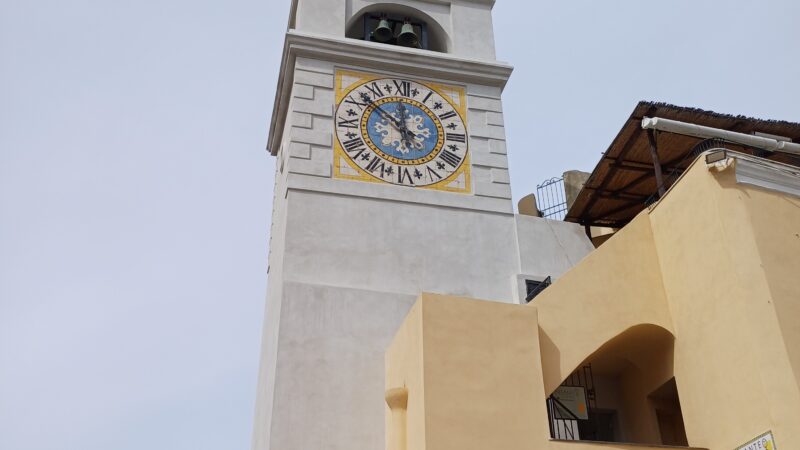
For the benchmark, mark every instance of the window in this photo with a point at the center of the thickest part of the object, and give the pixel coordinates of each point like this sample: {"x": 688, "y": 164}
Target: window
{"x": 534, "y": 288}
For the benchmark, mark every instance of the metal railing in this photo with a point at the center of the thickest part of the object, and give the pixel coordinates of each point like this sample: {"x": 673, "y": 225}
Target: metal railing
{"x": 563, "y": 423}
{"x": 551, "y": 200}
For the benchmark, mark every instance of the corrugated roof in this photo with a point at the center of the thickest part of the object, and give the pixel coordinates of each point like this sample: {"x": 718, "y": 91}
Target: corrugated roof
{"x": 623, "y": 182}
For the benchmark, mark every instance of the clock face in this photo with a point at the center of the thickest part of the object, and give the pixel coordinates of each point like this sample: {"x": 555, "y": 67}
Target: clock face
{"x": 402, "y": 132}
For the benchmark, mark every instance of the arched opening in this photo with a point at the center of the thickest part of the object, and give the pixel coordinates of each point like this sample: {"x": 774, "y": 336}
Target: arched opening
{"x": 623, "y": 392}
{"x": 390, "y": 18}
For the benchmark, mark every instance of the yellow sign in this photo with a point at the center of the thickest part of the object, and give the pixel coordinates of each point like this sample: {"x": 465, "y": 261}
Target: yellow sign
{"x": 764, "y": 442}
{"x": 394, "y": 130}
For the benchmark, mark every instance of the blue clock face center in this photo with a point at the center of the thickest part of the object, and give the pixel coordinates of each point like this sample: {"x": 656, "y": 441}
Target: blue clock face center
{"x": 406, "y": 135}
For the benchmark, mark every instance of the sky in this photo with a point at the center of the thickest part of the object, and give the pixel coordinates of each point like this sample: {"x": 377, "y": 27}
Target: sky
{"x": 135, "y": 192}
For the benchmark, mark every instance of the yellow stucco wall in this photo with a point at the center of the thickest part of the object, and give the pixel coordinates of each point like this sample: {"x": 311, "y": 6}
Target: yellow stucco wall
{"x": 702, "y": 287}
{"x": 481, "y": 382}
{"x": 404, "y": 369}
{"x": 775, "y": 222}
{"x": 716, "y": 263}
{"x": 731, "y": 362}
{"x": 487, "y": 344}
{"x": 612, "y": 292}
{"x": 614, "y": 288}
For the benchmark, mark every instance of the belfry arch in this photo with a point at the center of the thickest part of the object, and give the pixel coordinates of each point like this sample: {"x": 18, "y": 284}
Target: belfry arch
{"x": 438, "y": 39}
{"x": 631, "y": 390}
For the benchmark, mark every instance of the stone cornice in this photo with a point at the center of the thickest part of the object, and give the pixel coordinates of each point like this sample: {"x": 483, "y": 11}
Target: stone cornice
{"x": 370, "y": 55}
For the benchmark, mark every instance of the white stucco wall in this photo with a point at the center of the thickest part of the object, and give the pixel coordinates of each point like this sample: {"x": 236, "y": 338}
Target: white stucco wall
{"x": 396, "y": 247}
{"x": 329, "y": 375}
{"x": 550, "y": 247}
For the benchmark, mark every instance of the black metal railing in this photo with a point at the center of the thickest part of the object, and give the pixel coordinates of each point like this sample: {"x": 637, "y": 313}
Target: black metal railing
{"x": 563, "y": 423}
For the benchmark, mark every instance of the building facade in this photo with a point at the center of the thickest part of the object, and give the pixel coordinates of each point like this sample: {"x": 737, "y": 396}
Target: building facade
{"x": 392, "y": 214}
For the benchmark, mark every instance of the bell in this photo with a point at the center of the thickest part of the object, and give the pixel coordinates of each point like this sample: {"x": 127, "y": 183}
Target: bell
{"x": 383, "y": 32}
{"x": 407, "y": 36}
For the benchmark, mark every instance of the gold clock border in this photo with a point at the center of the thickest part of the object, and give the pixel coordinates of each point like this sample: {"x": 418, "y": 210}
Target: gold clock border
{"x": 339, "y": 154}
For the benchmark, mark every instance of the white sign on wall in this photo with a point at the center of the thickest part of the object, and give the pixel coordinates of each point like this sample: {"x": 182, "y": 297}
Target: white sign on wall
{"x": 573, "y": 398}
{"x": 763, "y": 442}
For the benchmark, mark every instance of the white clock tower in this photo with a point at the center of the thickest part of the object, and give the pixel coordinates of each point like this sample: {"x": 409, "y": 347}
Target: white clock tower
{"x": 392, "y": 180}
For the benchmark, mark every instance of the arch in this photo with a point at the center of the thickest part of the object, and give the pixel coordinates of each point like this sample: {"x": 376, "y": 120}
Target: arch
{"x": 633, "y": 381}
{"x": 614, "y": 288}
{"x": 438, "y": 39}
{"x": 639, "y": 347}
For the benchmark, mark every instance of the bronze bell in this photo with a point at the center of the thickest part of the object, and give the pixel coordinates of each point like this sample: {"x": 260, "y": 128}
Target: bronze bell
{"x": 407, "y": 36}
{"x": 383, "y": 32}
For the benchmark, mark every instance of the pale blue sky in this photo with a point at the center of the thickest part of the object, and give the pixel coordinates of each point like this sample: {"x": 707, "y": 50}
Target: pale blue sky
{"x": 135, "y": 193}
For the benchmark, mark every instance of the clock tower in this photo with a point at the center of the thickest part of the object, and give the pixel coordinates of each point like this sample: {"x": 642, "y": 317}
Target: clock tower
{"x": 391, "y": 180}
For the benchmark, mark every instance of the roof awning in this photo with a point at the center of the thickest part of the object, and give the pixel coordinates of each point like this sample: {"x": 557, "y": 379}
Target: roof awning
{"x": 624, "y": 182}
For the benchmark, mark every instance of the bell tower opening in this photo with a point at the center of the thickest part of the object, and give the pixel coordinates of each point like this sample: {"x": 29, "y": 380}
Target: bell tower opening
{"x": 399, "y": 25}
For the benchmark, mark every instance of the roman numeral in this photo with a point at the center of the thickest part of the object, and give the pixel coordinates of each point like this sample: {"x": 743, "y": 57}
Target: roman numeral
{"x": 355, "y": 102}
{"x": 456, "y": 137}
{"x": 402, "y": 174}
{"x": 403, "y": 87}
{"x": 447, "y": 115}
{"x": 375, "y": 89}
{"x": 427, "y": 97}
{"x": 450, "y": 158}
{"x": 353, "y": 144}
{"x": 375, "y": 164}
{"x": 432, "y": 173}
{"x": 348, "y": 123}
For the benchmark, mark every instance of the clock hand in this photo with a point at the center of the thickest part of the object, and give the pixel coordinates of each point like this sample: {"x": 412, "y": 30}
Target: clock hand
{"x": 402, "y": 110}
{"x": 399, "y": 124}
{"x": 366, "y": 98}
{"x": 394, "y": 121}
{"x": 404, "y": 131}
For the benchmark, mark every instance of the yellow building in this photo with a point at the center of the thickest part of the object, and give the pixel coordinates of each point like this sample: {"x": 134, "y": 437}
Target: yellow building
{"x": 681, "y": 329}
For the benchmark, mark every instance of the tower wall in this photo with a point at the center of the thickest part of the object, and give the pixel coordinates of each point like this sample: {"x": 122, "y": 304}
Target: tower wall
{"x": 348, "y": 258}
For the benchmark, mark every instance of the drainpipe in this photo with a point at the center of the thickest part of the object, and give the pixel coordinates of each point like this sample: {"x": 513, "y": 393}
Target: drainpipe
{"x": 699, "y": 131}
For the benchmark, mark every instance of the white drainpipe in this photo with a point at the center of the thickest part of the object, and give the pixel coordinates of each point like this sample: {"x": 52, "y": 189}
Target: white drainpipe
{"x": 699, "y": 131}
